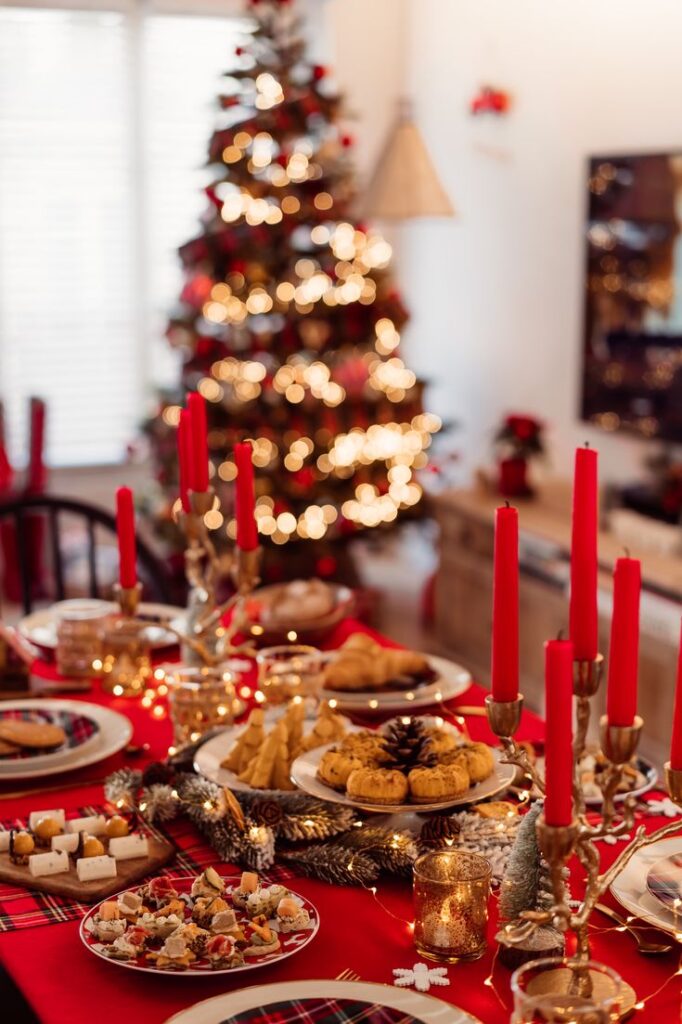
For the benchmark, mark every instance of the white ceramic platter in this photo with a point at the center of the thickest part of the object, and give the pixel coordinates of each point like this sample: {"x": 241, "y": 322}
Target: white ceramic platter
{"x": 114, "y": 732}
{"x": 223, "y": 1009}
{"x": 630, "y": 887}
{"x": 451, "y": 681}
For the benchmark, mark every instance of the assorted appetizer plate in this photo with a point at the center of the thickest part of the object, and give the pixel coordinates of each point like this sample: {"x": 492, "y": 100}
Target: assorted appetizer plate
{"x": 304, "y": 775}
{"x": 412, "y": 1007}
{"x": 450, "y": 681}
{"x": 97, "y": 733}
{"x": 40, "y": 627}
{"x": 290, "y": 942}
{"x": 635, "y": 886}
{"x": 647, "y": 777}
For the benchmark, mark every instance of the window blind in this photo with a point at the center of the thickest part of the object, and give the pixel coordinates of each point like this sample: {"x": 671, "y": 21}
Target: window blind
{"x": 104, "y": 118}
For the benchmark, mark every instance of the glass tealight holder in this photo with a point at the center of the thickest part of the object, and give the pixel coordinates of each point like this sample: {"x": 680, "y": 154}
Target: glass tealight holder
{"x": 126, "y": 659}
{"x": 79, "y": 640}
{"x": 451, "y": 889}
{"x": 562, "y": 991}
{"x": 199, "y": 699}
{"x": 289, "y": 670}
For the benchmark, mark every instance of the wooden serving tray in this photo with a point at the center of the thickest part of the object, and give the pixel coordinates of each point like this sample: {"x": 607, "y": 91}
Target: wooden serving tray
{"x": 69, "y": 886}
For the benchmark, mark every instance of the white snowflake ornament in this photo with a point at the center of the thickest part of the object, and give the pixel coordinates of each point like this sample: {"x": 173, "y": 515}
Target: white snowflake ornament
{"x": 666, "y": 807}
{"x": 421, "y": 976}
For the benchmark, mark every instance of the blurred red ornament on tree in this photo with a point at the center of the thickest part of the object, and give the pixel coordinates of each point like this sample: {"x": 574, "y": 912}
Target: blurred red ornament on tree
{"x": 197, "y": 289}
{"x": 319, "y": 71}
{"x": 489, "y": 100}
{"x": 326, "y": 565}
{"x": 346, "y": 141}
{"x": 304, "y": 477}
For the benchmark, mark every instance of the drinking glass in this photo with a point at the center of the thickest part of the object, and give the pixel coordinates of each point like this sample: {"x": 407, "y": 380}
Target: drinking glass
{"x": 200, "y": 698}
{"x": 289, "y": 670}
{"x": 451, "y": 889}
{"x": 557, "y": 990}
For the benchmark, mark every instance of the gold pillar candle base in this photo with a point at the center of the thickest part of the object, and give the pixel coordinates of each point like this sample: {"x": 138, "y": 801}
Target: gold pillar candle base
{"x": 246, "y": 569}
{"x": 619, "y": 742}
{"x": 128, "y": 599}
{"x": 611, "y": 998}
{"x": 504, "y": 717}
{"x": 556, "y": 842}
{"x": 201, "y": 502}
{"x": 587, "y": 676}
{"x": 673, "y": 782}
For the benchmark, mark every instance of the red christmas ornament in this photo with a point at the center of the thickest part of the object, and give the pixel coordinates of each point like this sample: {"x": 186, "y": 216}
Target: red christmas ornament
{"x": 326, "y": 565}
{"x": 347, "y": 141}
{"x": 490, "y": 101}
{"x": 197, "y": 290}
{"x": 214, "y": 198}
{"x": 319, "y": 71}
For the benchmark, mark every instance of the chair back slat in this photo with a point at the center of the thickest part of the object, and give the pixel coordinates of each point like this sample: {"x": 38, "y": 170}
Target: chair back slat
{"x": 24, "y": 559}
{"x": 57, "y": 560}
{"x": 92, "y": 558}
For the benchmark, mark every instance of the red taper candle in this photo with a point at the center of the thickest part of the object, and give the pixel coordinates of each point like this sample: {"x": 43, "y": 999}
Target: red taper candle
{"x": 36, "y": 475}
{"x": 245, "y": 498}
{"x": 559, "y": 732}
{"x": 184, "y": 443}
{"x": 196, "y": 405}
{"x": 621, "y": 694}
{"x": 676, "y": 743}
{"x": 125, "y": 526}
{"x": 583, "y": 611}
{"x": 505, "y": 645}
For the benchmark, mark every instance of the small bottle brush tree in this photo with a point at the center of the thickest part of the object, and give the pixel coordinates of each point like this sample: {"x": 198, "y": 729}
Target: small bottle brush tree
{"x": 288, "y": 323}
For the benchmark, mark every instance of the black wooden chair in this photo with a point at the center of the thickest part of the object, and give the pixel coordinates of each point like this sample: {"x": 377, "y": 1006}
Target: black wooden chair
{"x": 36, "y": 522}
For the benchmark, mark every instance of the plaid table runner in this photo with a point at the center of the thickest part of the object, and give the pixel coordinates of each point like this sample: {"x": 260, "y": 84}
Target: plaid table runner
{"x": 21, "y": 908}
{"x": 322, "y": 1011}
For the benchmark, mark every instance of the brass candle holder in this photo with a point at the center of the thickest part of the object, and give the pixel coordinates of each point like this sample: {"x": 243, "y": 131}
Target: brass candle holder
{"x": 504, "y": 718}
{"x": 205, "y": 641}
{"x": 559, "y": 843}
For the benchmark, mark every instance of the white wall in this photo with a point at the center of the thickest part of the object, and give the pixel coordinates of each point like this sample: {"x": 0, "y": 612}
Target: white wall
{"x": 496, "y": 294}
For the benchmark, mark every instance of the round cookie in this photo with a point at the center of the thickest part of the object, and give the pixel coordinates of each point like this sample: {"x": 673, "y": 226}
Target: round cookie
{"x": 377, "y": 786}
{"x": 31, "y": 734}
{"x": 335, "y": 767}
{"x": 433, "y": 785}
{"x": 477, "y": 758}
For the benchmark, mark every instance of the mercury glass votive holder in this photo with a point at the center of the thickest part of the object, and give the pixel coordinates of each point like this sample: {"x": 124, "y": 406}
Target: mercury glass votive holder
{"x": 557, "y": 990}
{"x": 79, "y": 640}
{"x": 451, "y": 890}
{"x": 289, "y": 670}
{"x": 199, "y": 699}
{"x": 126, "y": 664}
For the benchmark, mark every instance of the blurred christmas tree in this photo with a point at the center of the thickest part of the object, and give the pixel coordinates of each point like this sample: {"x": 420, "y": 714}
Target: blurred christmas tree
{"x": 287, "y": 322}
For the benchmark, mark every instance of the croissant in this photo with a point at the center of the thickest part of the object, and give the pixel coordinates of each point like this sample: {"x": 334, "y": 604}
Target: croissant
{"x": 362, "y": 664}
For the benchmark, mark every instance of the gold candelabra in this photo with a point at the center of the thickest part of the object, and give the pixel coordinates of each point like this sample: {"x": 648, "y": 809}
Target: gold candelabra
{"x": 205, "y": 641}
{"x": 558, "y": 843}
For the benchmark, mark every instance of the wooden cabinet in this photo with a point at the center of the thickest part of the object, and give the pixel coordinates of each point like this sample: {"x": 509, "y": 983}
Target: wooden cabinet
{"x": 463, "y": 598}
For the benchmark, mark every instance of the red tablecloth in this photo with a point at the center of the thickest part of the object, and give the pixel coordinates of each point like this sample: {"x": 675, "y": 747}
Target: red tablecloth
{"x": 64, "y": 984}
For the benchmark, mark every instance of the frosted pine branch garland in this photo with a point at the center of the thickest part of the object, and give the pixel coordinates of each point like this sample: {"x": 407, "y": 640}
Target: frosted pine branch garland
{"x": 334, "y": 864}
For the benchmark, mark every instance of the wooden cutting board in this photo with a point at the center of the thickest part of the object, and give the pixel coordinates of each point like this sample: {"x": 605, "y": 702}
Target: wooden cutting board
{"x": 69, "y": 886}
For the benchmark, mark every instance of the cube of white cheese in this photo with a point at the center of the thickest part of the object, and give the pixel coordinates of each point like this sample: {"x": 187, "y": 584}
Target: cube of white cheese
{"x": 4, "y": 841}
{"x": 53, "y": 863}
{"x": 93, "y": 825}
{"x": 68, "y": 842}
{"x": 127, "y": 847}
{"x": 90, "y": 868}
{"x": 36, "y": 816}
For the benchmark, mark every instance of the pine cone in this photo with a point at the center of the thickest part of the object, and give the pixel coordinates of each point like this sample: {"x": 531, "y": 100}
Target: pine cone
{"x": 157, "y": 773}
{"x": 266, "y": 812}
{"x": 407, "y": 744}
{"x": 436, "y": 830}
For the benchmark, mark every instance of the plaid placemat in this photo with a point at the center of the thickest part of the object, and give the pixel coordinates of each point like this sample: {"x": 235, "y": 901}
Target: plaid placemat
{"x": 322, "y": 1011}
{"x": 21, "y": 908}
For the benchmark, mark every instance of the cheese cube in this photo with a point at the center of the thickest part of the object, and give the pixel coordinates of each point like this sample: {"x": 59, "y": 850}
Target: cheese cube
{"x": 4, "y": 841}
{"x": 68, "y": 842}
{"x": 127, "y": 847}
{"x": 36, "y": 816}
{"x": 93, "y": 825}
{"x": 53, "y": 863}
{"x": 90, "y": 868}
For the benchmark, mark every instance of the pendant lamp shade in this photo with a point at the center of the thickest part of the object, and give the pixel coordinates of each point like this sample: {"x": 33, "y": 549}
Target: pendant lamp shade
{"x": 405, "y": 184}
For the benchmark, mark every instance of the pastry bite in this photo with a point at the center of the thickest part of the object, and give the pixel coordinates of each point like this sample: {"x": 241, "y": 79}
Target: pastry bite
{"x": 57, "y": 813}
{"x": 291, "y": 916}
{"x": 224, "y": 922}
{"x": 195, "y": 937}
{"x": 363, "y": 664}
{"x": 45, "y": 830}
{"x": 138, "y": 936}
{"x": 264, "y": 901}
{"x": 248, "y": 743}
{"x": 497, "y": 809}
{"x": 261, "y": 937}
{"x": 208, "y": 883}
{"x": 206, "y": 907}
{"x": 377, "y": 786}
{"x": 174, "y": 906}
{"x": 108, "y": 922}
{"x": 116, "y": 827}
{"x": 335, "y": 767}
{"x": 248, "y": 884}
{"x": 158, "y": 891}
{"x": 130, "y": 905}
{"x": 159, "y": 927}
{"x": 433, "y": 785}
{"x": 440, "y": 741}
{"x": 222, "y": 951}
{"x": 368, "y": 747}
{"x": 174, "y": 955}
{"x": 122, "y": 949}
{"x": 21, "y": 846}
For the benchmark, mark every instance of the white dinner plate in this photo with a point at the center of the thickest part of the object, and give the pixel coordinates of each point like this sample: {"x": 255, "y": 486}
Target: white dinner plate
{"x": 40, "y": 627}
{"x": 304, "y": 774}
{"x": 114, "y": 733}
{"x": 451, "y": 681}
{"x": 221, "y": 1009}
{"x": 630, "y": 886}
{"x": 291, "y": 942}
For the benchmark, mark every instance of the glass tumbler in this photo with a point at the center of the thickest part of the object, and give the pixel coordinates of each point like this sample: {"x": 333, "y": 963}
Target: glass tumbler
{"x": 451, "y": 889}
{"x": 200, "y": 699}
{"x": 562, "y": 991}
{"x": 289, "y": 670}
